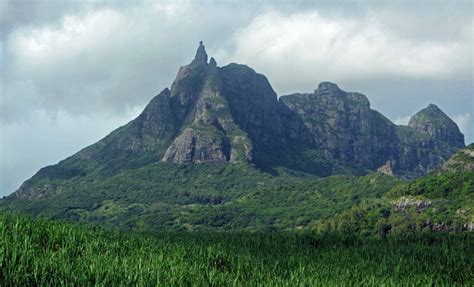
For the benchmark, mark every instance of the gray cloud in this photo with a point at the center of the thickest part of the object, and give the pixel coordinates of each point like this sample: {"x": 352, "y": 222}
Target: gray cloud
{"x": 98, "y": 64}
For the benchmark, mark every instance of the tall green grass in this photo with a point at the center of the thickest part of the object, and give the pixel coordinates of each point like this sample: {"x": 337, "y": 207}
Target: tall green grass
{"x": 45, "y": 253}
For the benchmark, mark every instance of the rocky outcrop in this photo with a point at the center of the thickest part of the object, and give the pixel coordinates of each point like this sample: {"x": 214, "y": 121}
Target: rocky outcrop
{"x": 418, "y": 153}
{"x": 253, "y": 103}
{"x": 195, "y": 146}
{"x": 386, "y": 168}
{"x": 469, "y": 226}
{"x": 151, "y": 130}
{"x": 407, "y": 202}
{"x": 343, "y": 126}
{"x": 433, "y": 122}
{"x": 187, "y": 86}
{"x": 210, "y": 133}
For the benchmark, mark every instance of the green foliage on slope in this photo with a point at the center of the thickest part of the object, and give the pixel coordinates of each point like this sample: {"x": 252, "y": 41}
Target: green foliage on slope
{"x": 222, "y": 196}
{"x": 203, "y": 196}
{"x": 442, "y": 201}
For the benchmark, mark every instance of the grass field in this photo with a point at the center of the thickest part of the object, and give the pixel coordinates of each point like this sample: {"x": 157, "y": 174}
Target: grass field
{"x": 41, "y": 252}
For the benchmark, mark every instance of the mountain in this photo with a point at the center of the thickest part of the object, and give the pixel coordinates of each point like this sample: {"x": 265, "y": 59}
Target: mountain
{"x": 219, "y": 136}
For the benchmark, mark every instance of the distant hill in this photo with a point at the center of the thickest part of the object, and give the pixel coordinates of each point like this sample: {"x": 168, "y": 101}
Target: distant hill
{"x": 440, "y": 201}
{"x": 219, "y": 150}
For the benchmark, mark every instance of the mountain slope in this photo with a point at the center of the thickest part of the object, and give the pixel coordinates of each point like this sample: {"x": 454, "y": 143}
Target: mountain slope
{"x": 219, "y": 196}
{"x": 440, "y": 201}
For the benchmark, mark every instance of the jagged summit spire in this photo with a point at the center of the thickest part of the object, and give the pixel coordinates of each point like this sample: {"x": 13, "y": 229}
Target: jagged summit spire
{"x": 212, "y": 62}
{"x": 201, "y": 55}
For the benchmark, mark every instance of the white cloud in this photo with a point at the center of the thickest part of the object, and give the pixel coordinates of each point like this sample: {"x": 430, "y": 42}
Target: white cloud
{"x": 172, "y": 8}
{"x": 104, "y": 59}
{"x": 317, "y": 46}
{"x": 49, "y": 45}
{"x": 402, "y": 120}
{"x": 44, "y": 139}
{"x": 464, "y": 123}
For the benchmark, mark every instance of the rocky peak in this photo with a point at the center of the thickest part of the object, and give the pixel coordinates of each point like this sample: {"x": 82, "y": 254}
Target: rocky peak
{"x": 328, "y": 88}
{"x": 210, "y": 133}
{"x": 434, "y": 108}
{"x": 252, "y": 102}
{"x": 431, "y": 114}
{"x": 201, "y": 55}
{"x": 212, "y": 62}
{"x": 331, "y": 90}
{"x": 212, "y": 67}
{"x": 433, "y": 122}
{"x": 188, "y": 84}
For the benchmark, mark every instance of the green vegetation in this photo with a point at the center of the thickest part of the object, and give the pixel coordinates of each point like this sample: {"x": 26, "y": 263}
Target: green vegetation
{"x": 206, "y": 196}
{"x": 237, "y": 197}
{"x": 442, "y": 201}
{"x": 42, "y": 252}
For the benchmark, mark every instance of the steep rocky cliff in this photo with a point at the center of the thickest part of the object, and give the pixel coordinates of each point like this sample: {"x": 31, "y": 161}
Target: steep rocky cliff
{"x": 209, "y": 133}
{"x": 343, "y": 127}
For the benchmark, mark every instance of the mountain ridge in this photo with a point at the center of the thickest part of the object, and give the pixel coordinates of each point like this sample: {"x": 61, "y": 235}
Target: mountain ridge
{"x": 232, "y": 115}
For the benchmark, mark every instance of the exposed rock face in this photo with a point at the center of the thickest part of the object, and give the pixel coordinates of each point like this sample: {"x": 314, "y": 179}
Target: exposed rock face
{"x": 193, "y": 146}
{"x": 188, "y": 84}
{"x": 153, "y": 126}
{"x": 435, "y": 123}
{"x": 343, "y": 126}
{"x": 406, "y": 202}
{"x": 386, "y": 168}
{"x": 232, "y": 114}
{"x": 252, "y": 102}
{"x": 469, "y": 226}
{"x": 255, "y": 110}
{"x": 419, "y": 153}
{"x": 210, "y": 132}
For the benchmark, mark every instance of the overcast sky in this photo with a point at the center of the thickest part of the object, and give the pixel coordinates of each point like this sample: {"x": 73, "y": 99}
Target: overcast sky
{"x": 73, "y": 71}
